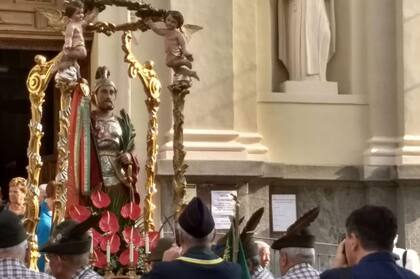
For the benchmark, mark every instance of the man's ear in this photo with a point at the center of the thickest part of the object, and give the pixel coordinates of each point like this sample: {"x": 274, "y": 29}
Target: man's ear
{"x": 354, "y": 242}
{"x": 283, "y": 259}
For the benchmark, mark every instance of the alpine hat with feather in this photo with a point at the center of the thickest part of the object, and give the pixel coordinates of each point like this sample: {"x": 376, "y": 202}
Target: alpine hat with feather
{"x": 298, "y": 234}
{"x": 70, "y": 237}
{"x": 248, "y": 233}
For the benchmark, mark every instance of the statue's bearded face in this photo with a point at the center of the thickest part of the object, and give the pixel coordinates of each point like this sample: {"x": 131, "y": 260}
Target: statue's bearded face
{"x": 105, "y": 97}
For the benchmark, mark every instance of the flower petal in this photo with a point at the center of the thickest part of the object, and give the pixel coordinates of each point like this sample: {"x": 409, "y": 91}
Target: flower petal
{"x": 100, "y": 258}
{"x": 124, "y": 258}
{"x": 109, "y": 222}
{"x": 131, "y": 211}
{"x": 114, "y": 243}
{"x": 79, "y": 213}
{"x": 100, "y": 199}
{"x": 131, "y": 234}
{"x": 96, "y": 237}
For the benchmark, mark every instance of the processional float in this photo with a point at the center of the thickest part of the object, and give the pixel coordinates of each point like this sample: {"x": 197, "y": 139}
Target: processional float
{"x": 38, "y": 80}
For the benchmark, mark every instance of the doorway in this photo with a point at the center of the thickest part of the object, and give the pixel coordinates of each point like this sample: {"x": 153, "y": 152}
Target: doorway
{"x": 15, "y": 114}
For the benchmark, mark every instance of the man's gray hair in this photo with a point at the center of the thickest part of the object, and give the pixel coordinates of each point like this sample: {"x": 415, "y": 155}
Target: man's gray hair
{"x": 299, "y": 255}
{"x": 16, "y": 252}
{"x": 261, "y": 244}
{"x": 208, "y": 239}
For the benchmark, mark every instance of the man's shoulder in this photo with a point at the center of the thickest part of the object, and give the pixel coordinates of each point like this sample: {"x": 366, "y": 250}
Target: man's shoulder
{"x": 10, "y": 268}
{"x": 346, "y": 273}
{"x": 171, "y": 269}
{"x": 34, "y": 274}
{"x": 86, "y": 273}
{"x": 42, "y": 275}
{"x": 336, "y": 273}
{"x": 178, "y": 263}
{"x": 233, "y": 268}
{"x": 408, "y": 273}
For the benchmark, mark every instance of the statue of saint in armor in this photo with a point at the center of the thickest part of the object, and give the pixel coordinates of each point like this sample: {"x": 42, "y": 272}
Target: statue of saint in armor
{"x": 113, "y": 138}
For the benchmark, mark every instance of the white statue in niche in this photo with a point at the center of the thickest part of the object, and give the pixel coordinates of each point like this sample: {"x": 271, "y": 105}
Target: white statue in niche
{"x": 306, "y": 37}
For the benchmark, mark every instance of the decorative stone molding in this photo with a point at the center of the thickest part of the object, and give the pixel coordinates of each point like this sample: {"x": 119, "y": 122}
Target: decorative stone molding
{"x": 381, "y": 151}
{"x": 309, "y": 87}
{"x": 22, "y": 18}
{"x": 217, "y": 145}
{"x": 409, "y": 151}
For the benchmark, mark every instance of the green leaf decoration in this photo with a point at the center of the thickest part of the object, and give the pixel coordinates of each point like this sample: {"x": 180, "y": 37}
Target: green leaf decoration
{"x": 128, "y": 132}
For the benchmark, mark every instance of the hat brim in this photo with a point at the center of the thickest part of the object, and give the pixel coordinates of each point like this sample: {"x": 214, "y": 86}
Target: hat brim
{"x": 67, "y": 248}
{"x": 294, "y": 240}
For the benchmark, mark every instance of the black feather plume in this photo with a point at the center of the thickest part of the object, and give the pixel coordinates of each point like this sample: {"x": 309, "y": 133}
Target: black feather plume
{"x": 249, "y": 229}
{"x": 83, "y": 227}
{"x": 304, "y": 221}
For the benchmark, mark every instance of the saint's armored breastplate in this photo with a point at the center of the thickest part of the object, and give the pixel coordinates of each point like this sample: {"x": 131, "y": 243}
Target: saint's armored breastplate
{"x": 108, "y": 134}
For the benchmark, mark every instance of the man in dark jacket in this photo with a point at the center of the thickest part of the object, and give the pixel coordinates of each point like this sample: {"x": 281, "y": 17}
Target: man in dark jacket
{"x": 367, "y": 248}
{"x": 195, "y": 234}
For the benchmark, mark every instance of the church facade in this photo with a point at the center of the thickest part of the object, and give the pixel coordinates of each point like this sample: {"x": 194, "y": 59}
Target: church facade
{"x": 342, "y": 143}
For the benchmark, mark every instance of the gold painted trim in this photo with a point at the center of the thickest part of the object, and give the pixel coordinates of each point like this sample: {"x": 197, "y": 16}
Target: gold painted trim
{"x": 152, "y": 87}
{"x": 37, "y": 82}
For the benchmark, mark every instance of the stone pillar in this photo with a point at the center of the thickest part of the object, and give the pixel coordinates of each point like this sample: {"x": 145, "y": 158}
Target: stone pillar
{"x": 381, "y": 81}
{"x": 408, "y": 54}
{"x": 220, "y": 111}
{"x": 382, "y": 193}
{"x": 106, "y": 51}
{"x": 245, "y": 81}
{"x": 408, "y": 214}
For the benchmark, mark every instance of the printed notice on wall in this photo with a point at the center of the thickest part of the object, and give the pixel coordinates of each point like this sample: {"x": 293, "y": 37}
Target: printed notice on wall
{"x": 284, "y": 211}
{"x": 222, "y": 208}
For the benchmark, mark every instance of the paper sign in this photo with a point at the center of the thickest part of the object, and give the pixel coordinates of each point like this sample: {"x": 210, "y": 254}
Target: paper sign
{"x": 222, "y": 207}
{"x": 284, "y": 211}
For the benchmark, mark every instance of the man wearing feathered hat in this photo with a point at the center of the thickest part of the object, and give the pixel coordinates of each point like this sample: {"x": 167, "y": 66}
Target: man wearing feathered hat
{"x": 195, "y": 234}
{"x": 68, "y": 250}
{"x": 13, "y": 246}
{"x": 297, "y": 253}
{"x": 255, "y": 266}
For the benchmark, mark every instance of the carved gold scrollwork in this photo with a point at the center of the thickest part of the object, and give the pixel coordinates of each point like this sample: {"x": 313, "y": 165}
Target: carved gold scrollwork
{"x": 109, "y": 28}
{"x": 152, "y": 87}
{"x": 37, "y": 82}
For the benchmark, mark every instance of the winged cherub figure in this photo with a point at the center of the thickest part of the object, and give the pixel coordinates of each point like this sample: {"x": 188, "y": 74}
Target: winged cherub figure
{"x": 74, "y": 43}
{"x": 177, "y": 56}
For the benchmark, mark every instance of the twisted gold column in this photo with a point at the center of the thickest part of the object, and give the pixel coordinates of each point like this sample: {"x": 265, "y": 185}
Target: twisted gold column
{"x": 152, "y": 88}
{"x": 179, "y": 181}
{"x": 37, "y": 82}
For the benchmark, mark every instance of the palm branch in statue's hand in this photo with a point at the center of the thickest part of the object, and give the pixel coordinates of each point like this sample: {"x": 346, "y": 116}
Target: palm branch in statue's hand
{"x": 128, "y": 132}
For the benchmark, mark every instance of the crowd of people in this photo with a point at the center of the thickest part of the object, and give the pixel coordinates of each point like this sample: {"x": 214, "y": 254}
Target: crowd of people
{"x": 367, "y": 251}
